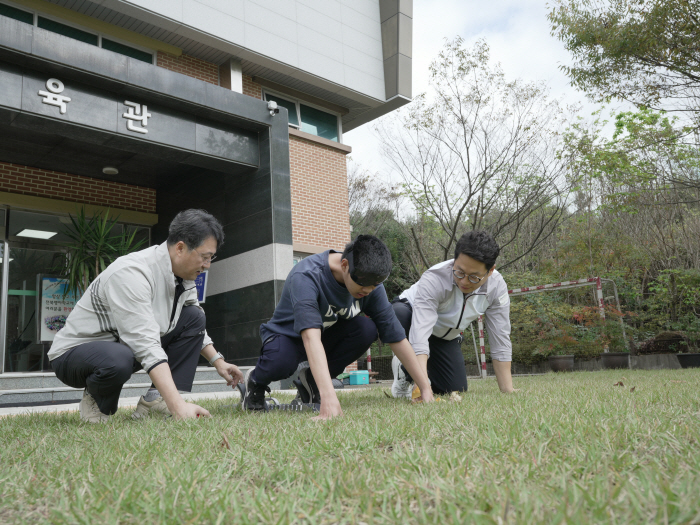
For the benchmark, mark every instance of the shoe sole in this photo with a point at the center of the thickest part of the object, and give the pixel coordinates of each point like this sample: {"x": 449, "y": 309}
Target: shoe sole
{"x": 396, "y": 391}
{"x": 304, "y": 381}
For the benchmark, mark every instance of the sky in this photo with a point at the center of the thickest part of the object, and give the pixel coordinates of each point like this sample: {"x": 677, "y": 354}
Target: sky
{"x": 518, "y": 34}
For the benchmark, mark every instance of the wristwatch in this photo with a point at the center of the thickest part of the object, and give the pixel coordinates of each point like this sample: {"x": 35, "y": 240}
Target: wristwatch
{"x": 217, "y": 356}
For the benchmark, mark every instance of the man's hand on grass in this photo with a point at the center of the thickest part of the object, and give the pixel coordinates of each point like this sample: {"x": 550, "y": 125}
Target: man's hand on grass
{"x": 190, "y": 411}
{"x": 329, "y": 408}
{"x": 229, "y": 372}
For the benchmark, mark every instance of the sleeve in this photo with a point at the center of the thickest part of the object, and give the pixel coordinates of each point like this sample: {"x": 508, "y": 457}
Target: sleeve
{"x": 304, "y": 296}
{"x": 192, "y": 300}
{"x": 425, "y": 312}
{"x": 382, "y": 313}
{"x": 497, "y": 321}
{"x": 128, "y": 293}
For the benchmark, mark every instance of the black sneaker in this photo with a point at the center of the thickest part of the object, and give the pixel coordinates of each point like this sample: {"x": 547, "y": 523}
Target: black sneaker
{"x": 254, "y": 397}
{"x": 308, "y": 391}
{"x": 302, "y": 394}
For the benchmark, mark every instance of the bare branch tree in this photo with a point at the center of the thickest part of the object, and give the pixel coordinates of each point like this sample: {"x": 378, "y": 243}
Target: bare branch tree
{"x": 479, "y": 152}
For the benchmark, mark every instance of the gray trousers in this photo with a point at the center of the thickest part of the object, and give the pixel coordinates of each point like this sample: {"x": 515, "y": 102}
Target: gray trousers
{"x": 446, "y": 369}
{"x": 102, "y": 367}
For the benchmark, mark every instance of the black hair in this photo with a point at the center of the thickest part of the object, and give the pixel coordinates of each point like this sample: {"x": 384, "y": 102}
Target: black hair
{"x": 370, "y": 255}
{"x": 479, "y": 245}
{"x": 193, "y": 227}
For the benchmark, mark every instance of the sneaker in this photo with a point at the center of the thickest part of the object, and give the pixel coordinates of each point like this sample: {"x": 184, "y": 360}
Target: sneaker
{"x": 309, "y": 391}
{"x": 254, "y": 398}
{"x": 89, "y": 411}
{"x": 402, "y": 386}
{"x": 147, "y": 408}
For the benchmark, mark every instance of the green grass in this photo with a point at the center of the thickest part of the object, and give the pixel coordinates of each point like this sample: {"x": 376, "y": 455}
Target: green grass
{"x": 567, "y": 448}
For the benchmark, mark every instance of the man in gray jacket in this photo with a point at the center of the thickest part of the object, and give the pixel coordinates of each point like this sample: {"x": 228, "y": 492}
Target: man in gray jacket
{"x": 439, "y": 307}
{"x": 142, "y": 313}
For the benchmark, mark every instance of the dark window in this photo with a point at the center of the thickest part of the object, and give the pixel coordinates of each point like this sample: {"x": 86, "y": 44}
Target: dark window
{"x": 319, "y": 123}
{"x": 63, "y": 29}
{"x": 290, "y": 106}
{"x": 17, "y": 14}
{"x": 126, "y": 50}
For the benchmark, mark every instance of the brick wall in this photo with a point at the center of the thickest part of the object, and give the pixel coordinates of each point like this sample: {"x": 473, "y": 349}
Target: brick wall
{"x": 190, "y": 66}
{"x": 15, "y": 178}
{"x": 319, "y": 186}
{"x": 250, "y": 88}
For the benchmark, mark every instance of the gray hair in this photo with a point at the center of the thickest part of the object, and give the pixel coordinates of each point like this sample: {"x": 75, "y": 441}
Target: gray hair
{"x": 193, "y": 227}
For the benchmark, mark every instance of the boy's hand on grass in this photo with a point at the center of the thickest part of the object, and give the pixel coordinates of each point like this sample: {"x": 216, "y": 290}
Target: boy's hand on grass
{"x": 329, "y": 409}
{"x": 190, "y": 411}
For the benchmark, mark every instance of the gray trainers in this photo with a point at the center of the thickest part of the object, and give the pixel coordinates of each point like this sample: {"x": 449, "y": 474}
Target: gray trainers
{"x": 402, "y": 386}
{"x": 148, "y": 408}
{"x": 89, "y": 412}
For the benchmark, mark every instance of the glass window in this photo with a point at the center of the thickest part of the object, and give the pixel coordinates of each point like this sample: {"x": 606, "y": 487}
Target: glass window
{"x": 126, "y": 50}
{"x": 26, "y": 226}
{"x": 69, "y": 31}
{"x": 17, "y": 14}
{"x": 290, "y": 106}
{"x": 319, "y": 123}
{"x": 23, "y": 351}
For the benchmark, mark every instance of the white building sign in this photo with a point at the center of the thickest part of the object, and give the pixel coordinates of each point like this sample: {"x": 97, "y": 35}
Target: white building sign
{"x": 136, "y": 113}
{"x": 53, "y": 96}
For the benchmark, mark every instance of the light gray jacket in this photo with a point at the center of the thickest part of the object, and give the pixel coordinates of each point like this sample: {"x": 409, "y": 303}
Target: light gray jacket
{"x": 441, "y": 309}
{"x": 130, "y": 302}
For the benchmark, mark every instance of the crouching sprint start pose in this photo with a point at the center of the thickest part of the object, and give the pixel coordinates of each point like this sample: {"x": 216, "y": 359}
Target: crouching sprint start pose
{"x": 142, "y": 313}
{"x": 318, "y": 319}
{"x": 439, "y": 307}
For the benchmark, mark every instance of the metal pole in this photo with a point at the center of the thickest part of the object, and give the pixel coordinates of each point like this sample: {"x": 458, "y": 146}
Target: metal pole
{"x": 3, "y": 301}
{"x": 483, "y": 348}
{"x": 476, "y": 348}
{"x": 619, "y": 309}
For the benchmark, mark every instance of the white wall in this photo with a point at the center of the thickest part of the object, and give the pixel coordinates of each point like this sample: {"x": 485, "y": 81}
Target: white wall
{"x": 338, "y": 40}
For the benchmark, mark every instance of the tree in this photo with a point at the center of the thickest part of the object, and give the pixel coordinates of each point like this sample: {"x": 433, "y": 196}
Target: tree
{"x": 479, "y": 151}
{"x": 630, "y": 184}
{"x": 371, "y": 202}
{"x": 642, "y": 51}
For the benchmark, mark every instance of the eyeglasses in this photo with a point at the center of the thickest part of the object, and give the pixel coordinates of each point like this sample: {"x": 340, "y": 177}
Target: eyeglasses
{"x": 205, "y": 259}
{"x": 473, "y": 278}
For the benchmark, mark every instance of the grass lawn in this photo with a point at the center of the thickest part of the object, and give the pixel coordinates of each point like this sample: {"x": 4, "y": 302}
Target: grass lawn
{"x": 568, "y": 448}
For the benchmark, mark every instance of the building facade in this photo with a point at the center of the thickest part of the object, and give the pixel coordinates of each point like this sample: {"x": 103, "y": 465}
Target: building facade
{"x": 143, "y": 108}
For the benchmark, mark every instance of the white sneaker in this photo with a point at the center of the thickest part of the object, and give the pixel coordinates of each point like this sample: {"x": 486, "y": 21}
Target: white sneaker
{"x": 89, "y": 411}
{"x": 401, "y": 387}
{"x": 147, "y": 408}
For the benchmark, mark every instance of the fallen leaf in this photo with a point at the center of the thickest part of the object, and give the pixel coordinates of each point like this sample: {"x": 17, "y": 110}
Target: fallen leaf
{"x": 387, "y": 395}
{"x": 619, "y": 383}
{"x": 225, "y": 443}
{"x": 632, "y": 389}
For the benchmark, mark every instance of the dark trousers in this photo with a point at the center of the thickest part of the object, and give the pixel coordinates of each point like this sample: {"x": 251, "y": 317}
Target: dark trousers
{"x": 446, "y": 369}
{"x": 102, "y": 367}
{"x": 344, "y": 343}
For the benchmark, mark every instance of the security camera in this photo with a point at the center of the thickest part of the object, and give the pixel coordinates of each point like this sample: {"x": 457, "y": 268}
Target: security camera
{"x": 272, "y": 106}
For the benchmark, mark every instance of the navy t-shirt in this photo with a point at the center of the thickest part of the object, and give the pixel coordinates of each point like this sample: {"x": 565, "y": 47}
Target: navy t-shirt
{"x": 312, "y": 298}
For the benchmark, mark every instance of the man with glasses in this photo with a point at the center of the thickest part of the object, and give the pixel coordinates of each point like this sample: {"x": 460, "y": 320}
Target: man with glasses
{"x": 318, "y": 319}
{"x": 440, "y": 306}
{"x": 142, "y": 313}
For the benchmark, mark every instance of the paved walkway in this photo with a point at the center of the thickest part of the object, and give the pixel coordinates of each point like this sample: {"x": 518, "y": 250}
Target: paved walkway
{"x": 126, "y": 402}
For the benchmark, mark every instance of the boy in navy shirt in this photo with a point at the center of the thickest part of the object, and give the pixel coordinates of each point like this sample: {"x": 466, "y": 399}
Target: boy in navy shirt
{"x": 317, "y": 319}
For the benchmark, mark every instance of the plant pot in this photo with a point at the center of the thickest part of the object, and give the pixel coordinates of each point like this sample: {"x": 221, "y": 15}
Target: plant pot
{"x": 615, "y": 360}
{"x": 561, "y": 363}
{"x": 689, "y": 360}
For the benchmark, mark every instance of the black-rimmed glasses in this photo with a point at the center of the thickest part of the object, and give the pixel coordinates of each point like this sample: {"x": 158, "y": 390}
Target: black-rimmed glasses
{"x": 473, "y": 278}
